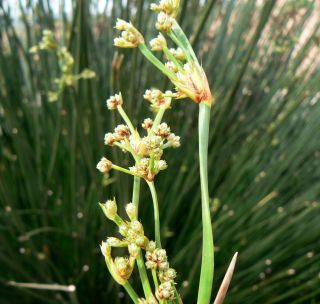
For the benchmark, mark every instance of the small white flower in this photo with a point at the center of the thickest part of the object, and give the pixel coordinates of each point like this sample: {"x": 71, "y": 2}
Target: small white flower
{"x": 159, "y": 43}
{"x": 114, "y": 101}
{"x": 104, "y": 165}
{"x": 164, "y": 22}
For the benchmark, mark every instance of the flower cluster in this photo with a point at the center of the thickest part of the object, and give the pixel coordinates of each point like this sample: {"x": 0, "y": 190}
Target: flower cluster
{"x": 168, "y": 7}
{"x": 133, "y": 238}
{"x": 130, "y": 36}
{"x": 146, "y": 150}
{"x": 66, "y": 64}
{"x": 157, "y": 260}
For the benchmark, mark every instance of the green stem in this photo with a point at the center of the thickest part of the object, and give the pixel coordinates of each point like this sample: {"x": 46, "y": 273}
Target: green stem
{"x": 134, "y": 297}
{"x": 181, "y": 39}
{"x": 158, "y": 118}
{"x": 155, "y": 279}
{"x": 155, "y": 61}
{"x": 118, "y": 168}
{"x": 140, "y": 262}
{"x": 126, "y": 119}
{"x": 156, "y": 214}
{"x": 136, "y": 191}
{"x": 170, "y": 57}
{"x": 207, "y": 264}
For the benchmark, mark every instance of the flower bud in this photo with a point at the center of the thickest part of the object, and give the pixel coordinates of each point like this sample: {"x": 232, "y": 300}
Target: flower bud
{"x": 115, "y": 242}
{"x": 105, "y": 249}
{"x": 122, "y": 268}
{"x": 163, "y": 266}
{"x": 178, "y": 54}
{"x": 104, "y": 165}
{"x": 147, "y": 123}
{"x": 122, "y": 131}
{"x": 132, "y": 211}
{"x": 164, "y": 22}
{"x": 151, "y": 265}
{"x": 109, "y": 139}
{"x": 165, "y": 291}
{"x": 130, "y": 36}
{"x": 162, "y": 130}
{"x": 134, "y": 250}
{"x": 162, "y": 165}
{"x": 159, "y": 43}
{"x": 141, "y": 241}
{"x": 109, "y": 209}
{"x": 171, "y": 66}
{"x": 151, "y": 247}
{"x": 170, "y": 7}
{"x": 174, "y": 140}
{"x": 136, "y": 226}
{"x": 167, "y": 275}
{"x": 123, "y": 230}
{"x": 114, "y": 101}
{"x": 87, "y": 74}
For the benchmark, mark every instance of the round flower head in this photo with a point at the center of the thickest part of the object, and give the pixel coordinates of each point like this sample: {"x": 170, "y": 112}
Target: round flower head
{"x": 114, "y": 101}
{"x": 159, "y": 43}
{"x": 147, "y": 123}
{"x": 109, "y": 139}
{"x": 164, "y": 22}
{"x": 165, "y": 292}
{"x": 178, "y": 53}
{"x": 122, "y": 131}
{"x": 104, "y": 165}
{"x": 170, "y": 7}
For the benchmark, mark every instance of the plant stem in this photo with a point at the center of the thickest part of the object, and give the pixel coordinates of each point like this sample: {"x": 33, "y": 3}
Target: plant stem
{"x": 126, "y": 119}
{"x": 124, "y": 170}
{"x": 155, "y": 61}
{"x": 136, "y": 191}
{"x": 155, "y": 279}
{"x": 158, "y": 118}
{"x": 156, "y": 213}
{"x": 140, "y": 262}
{"x": 144, "y": 277}
{"x": 134, "y": 297}
{"x": 207, "y": 264}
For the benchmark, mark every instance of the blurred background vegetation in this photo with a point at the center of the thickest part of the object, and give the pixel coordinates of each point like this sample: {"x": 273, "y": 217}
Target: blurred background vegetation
{"x": 262, "y": 58}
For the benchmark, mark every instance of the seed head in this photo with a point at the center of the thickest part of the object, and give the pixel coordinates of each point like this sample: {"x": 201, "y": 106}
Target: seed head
{"x": 114, "y": 102}
{"x": 159, "y": 43}
{"x": 104, "y": 165}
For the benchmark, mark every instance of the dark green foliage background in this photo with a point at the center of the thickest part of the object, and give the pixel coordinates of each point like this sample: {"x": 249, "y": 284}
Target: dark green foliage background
{"x": 262, "y": 59}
